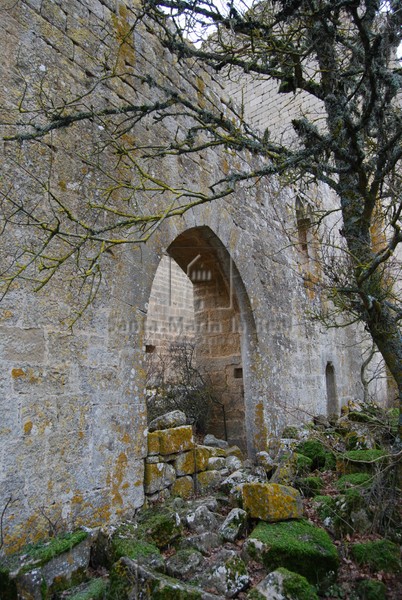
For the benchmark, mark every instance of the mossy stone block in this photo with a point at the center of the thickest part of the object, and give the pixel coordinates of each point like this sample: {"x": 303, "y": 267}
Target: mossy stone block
{"x": 286, "y": 585}
{"x": 93, "y": 590}
{"x": 177, "y": 439}
{"x": 132, "y": 547}
{"x": 357, "y": 461}
{"x": 359, "y": 480}
{"x": 271, "y": 501}
{"x": 295, "y": 545}
{"x": 47, "y": 567}
{"x": 320, "y": 456}
{"x": 379, "y": 555}
{"x": 183, "y": 487}
{"x": 159, "y": 528}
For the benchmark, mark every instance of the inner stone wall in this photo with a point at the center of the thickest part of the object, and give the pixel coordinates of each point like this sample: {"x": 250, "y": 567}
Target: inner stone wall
{"x": 170, "y": 313}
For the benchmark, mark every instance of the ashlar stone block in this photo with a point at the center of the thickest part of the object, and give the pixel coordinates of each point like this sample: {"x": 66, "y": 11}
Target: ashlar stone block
{"x": 177, "y": 439}
{"x": 193, "y": 461}
{"x": 158, "y": 476}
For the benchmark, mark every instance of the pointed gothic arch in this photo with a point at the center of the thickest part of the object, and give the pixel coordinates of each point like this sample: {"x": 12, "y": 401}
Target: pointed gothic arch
{"x": 224, "y": 330}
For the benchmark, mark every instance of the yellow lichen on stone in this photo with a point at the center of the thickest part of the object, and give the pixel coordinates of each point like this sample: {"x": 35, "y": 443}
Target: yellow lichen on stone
{"x": 120, "y": 468}
{"x": 271, "y": 501}
{"x": 28, "y": 427}
{"x": 153, "y": 443}
{"x": 158, "y": 476}
{"x": 216, "y": 452}
{"x": 183, "y": 487}
{"x": 193, "y": 461}
{"x": 15, "y": 373}
{"x": 177, "y": 439}
{"x": 235, "y": 451}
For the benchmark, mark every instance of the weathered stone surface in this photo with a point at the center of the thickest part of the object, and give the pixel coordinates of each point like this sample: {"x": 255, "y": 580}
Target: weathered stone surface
{"x": 271, "y": 501}
{"x": 175, "y": 440}
{"x": 265, "y": 460}
{"x": 175, "y": 418}
{"x": 280, "y": 584}
{"x": 64, "y": 392}
{"x": 183, "y": 487}
{"x": 234, "y": 451}
{"x": 207, "y": 481}
{"x": 45, "y": 566}
{"x": 216, "y": 463}
{"x": 233, "y": 463}
{"x": 184, "y": 563}
{"x": 211, "y": 440}
{"x": 234, "y": 525}
{"x": 202, "y": 520}
{"x": 204, "y": 542}
{"x": 238, "y": 477}
{"x": 229, "y": 577}
{"x": 158, "y": 476}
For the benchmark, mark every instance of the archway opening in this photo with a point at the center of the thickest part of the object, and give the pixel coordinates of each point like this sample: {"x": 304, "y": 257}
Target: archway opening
{"x": 198, "y": 299}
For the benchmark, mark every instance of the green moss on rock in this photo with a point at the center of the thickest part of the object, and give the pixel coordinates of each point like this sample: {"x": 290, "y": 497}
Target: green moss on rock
{"x": 310, "y": 486}
{"x": 326, "y": 507}
{"x": 133, "y": 548}
{"x": 296, "y": 545}
{"x": 94, "y": 590}
{"x": 160, "y": 528}
{"x": 255, "y": 595}
{"x": 316, "y": 451}
{"x": 370, "y": 589}
{"x": 380, "y": 555}
{"x": 356, "y": 461}
{"x": 304, "y": 464}
{"x": 290, "y": 432}
{"x": 297, "y": 586}
{"x": 43, "y": 552}
{"x": 353, "y": 480}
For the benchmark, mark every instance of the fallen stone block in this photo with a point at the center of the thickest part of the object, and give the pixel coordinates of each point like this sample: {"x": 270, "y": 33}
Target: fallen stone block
{"x": 296, "y": 545}
{"x": 271, "y": 501}
{"x": 283, "y": 584}
{"x": 47, "y": 567}
{"x": 174, "y": 418}
{"x": 234, "y": 525}
{"x": 129, "y": 579}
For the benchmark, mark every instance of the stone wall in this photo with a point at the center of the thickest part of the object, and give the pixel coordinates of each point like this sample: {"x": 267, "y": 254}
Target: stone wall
{"x": 73, "y": 413}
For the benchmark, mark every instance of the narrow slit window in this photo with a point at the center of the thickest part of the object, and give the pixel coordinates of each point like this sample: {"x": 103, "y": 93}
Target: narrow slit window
{"x": 332, "y": 400}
